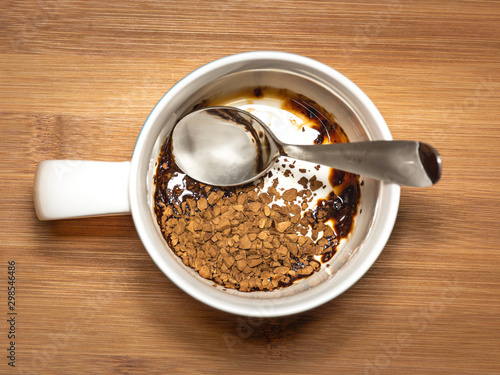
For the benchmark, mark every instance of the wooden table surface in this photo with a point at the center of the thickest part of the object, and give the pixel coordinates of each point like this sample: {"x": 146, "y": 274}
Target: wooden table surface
{"x": 77, "y": 81}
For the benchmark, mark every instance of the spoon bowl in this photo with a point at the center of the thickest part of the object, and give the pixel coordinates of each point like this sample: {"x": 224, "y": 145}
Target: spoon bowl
{"x": 227, "y": 146}
{"x": 223, "y": 146}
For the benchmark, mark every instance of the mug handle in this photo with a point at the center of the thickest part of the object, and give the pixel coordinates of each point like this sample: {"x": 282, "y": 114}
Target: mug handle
{"x": 67, "y": 189}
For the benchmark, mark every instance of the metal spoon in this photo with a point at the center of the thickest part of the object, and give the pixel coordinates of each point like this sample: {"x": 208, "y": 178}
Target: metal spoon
{"x": 227, "y": 146}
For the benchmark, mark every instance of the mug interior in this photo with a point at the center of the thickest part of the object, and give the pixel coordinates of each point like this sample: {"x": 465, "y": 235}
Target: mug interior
{"x": 353, "y": 111}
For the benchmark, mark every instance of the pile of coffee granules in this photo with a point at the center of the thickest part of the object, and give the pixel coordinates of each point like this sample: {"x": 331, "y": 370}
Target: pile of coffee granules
{"x": 252, "y": 237}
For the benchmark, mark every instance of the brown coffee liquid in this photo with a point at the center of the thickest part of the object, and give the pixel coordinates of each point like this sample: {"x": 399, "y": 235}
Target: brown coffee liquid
{"x": 258, "y": 236}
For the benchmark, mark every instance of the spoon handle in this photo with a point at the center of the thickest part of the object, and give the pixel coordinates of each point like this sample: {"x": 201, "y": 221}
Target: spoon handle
{"x": 408, "y": 163}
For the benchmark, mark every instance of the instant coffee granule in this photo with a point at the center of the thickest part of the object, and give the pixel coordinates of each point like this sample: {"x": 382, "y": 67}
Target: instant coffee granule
{"x": 250, "y": 237}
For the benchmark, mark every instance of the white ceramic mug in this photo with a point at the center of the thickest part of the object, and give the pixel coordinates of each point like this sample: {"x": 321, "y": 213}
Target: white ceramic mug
{"x": 68, "y": 188}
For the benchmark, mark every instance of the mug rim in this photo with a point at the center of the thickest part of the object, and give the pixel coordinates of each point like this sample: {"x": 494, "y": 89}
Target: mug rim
{"x": 385, "y": 213}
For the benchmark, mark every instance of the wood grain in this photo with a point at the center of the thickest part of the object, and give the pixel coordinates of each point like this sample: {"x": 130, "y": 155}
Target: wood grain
{"x": 78, "y": 79}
